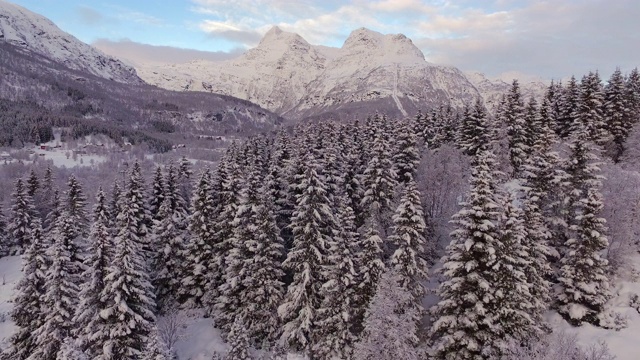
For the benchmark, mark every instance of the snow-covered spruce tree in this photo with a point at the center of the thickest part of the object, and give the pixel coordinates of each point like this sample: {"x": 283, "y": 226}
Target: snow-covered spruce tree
{"x": 52, "y": 217}
{"x": 313, "y": 226}
{"x": 33, "y": 184}
{"x": 335, "y": 316}
{"x": 581, "y": 171}
{"x": 420, "y": 122}
{"x": 539, "y": 195}
{"x": 553, "y": 99}
{"x": 185, "y": 173}
{"x": 390, "y": 329}
{"x": 168, "y": 258}
{"x": 61, "y": 292}
{"x": 406, "y": 157}
{"x": 465, "y": 320}
{"x": 379, "y": 182}
{"x": 475, "y": 133}
{"x": 436, "y": 125}
{"x": 616, "y": 112}
{"x": 278, "y": 184}
{"x": 583, "y": 275}
{"x": 20, "y": 219}
{"x": 43, "y": 206}
{"x": 174, "y": 194}
{"x": 332, "y": 162}
{"x": 227, "y": 185}
{"x": 90, "y": 327}
{"x": 633, "y": 95}
{"x": 75, "y": 205}
{"x": 70, "y": 351}
{"x": 351, "y": 178}
{"x": 569, "y": 103}
{"x": 515, "y": 312}
{"x": 255, "y": 246}
{"x": 114, "y": 203}
{"x": 452, "y": 122}
{"x": 370, "y": 261}
{"x": 76, "y": 236}
{"x": 408, "y": 239}
{"x": 28, "y": 309}
{"x": 254, "y": 287}
{"x": 589, "y": 112}
{"x": 295, "y": 173}
{"x": 238, "y": 341}
{"x": 157, "y": 193}
{"x": 225, "y": 189}
{"x": 532, "y": 118}
{"x": 517, "y": 128}
{"x": 199, "y": 255}
{"x": 128, "y": 291}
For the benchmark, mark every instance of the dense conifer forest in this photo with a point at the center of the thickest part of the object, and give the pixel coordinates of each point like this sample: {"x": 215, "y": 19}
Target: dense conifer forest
{"x": 323, "y": 239}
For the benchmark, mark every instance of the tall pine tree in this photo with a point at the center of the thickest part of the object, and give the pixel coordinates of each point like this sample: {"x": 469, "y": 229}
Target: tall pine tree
{"x": 583, "y": 275}
{"x": 617, "y": 112}
{"x": 128, "y": 291}
{"x": 465, "y": 324}
{"x": 20, "y": 220}
{"x": 409, "y": 242}
{"x": 28, "y": 305}
{"x": 313, "y": 224}
{"x": 90, "y": 327}
{"x": 61, "y": 291}
{"x": 199, "y": 254}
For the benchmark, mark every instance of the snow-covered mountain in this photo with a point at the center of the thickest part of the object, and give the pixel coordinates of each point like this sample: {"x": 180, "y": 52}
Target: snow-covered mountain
{"x": 284, "y": 73}
{"x": 21, "y": 27}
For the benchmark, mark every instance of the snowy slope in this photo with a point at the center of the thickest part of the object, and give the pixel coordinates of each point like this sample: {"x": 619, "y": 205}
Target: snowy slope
{"x": 287, "y": 75}
{"x": 19, "y": 26}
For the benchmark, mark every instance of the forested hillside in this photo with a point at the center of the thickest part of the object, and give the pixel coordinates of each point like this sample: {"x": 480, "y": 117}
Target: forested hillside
{"x": 37, "y": 94}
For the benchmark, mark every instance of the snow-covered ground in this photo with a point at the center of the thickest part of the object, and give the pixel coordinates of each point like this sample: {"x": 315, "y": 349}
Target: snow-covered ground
{"x": 625, "y": 343}
{"x": 10, "y": 273}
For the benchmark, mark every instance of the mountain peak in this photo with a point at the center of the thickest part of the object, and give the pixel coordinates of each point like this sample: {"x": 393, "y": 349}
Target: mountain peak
{"x": 277, "y": 35}
{"x": 363, "y": 37}
{"x": 393, "y": 47}
{"x": 274, "y": 31}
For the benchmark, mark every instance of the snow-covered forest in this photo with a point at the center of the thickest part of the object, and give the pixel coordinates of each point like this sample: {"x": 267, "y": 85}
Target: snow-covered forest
{"x": 451, "y": 235}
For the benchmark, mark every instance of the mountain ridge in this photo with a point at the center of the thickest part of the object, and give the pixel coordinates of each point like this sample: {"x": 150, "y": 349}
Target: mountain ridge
{"x": 24, "y": 28}
{"x": 285, "y": 74}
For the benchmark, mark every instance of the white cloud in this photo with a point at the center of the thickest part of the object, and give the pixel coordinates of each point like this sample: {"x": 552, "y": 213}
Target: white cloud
{"x": 138, "y": 53}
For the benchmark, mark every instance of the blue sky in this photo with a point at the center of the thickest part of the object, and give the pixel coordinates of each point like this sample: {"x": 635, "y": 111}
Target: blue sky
{"x": 548, "y": 38}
